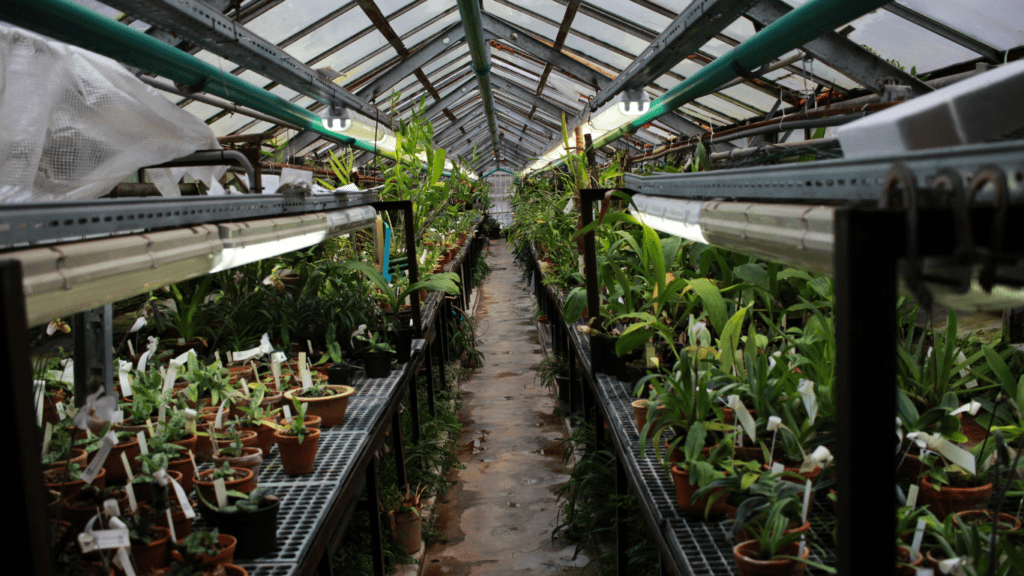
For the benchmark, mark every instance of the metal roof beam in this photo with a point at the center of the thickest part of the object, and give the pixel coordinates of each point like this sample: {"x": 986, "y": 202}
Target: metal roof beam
{"x": 449, "y": 99}
{"x": 542, "y": 131}
{"x": 844, "y": 55}
{"x": 512, "y": 34}
{"x": 467, "y": 117}
{"x": 441, "y": 43}
{"x": 951, "y": 34}
{"x": 532, "y": 99}
{"x": 200, "y": 24}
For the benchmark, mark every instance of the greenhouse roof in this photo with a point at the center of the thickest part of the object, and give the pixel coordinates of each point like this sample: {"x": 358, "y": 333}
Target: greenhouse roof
{"x": 550, "y": 58}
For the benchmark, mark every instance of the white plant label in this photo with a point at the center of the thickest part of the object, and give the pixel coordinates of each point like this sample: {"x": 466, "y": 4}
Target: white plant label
{"x": 912, "y": 496}
{"x": 149, "y": 427}
{"x": 131, "y": 349}
{"x": 569, "y": 206}
{"x": 743, "y": 415}
{"x": 181, "y": 341}
{"x": 60, "y": 410}
{"x": 143, "y": 446}
{"x": 142, "y": 361}
{"x": 127, "y": 467}
{"x": 169, "y": 377}
{"x": 103, "y": 540}
{"x": 161, "y": 413}
{"x": 918, "y": 535}
{"x": 111, "y": 509}
{"x": 47, "y": 437}
{"x": 955, "y": 454}
{"x": 132, "y": 502}
{"x": 307, "y": 380}
{"x": 778, "y": 467}
{"x": 192, "y": 457}
{"x": 123, "y": 379}
{"x": 40, "y": 397}
{"x": 245, "y": 387}
{"x": 255, "y": 372}
{"x": 186, "y": 507}
{"x": 806, "y": 389}
{"x": 265, "y": 346}
{"x": 807, "y": 500}
{"x": 190, "y": 421}
{"x": 221, "y": 491}
{"x": 118, "y": 417}
{"x": 275, "y": 368}
{"x": 139, "y": 323}
{"x": 962, "y": 359}
{"x": 244, "y": 355}
{"x": 287, "y": 411}
{"x": 93, "y": 469}
{"x": 310, "y": 346}
{"x": 126, "y": 564}
{"x": 218, "y": 422}
{"x": 183, "y": 358}
{"x": 170, "y": 524}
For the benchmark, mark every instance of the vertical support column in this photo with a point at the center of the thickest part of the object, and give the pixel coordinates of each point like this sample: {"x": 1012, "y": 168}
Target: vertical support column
{"x": 26, "y": 502}
{"x": 442, "y": 344}
{"x": 94, "y": 354}
{"x": 428, "y": 358}
{"x": 868, "y": 244}
{"x": 376, "y": 536}
{"x": 431, "y": 406}
{"x": 621, "y": 522}
{"x": 573, "y": 376}
{"x": 399, "y": 450}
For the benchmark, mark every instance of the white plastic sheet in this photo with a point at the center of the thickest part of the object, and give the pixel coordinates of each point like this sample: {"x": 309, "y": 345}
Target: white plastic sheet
{"x": 73, "y": 124}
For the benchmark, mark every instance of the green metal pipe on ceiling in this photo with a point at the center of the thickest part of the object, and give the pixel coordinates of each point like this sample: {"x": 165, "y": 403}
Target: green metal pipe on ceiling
{"x": 74, "y": 24}
{"x": 473, "y": 24}
{"x": 793, "y": 30}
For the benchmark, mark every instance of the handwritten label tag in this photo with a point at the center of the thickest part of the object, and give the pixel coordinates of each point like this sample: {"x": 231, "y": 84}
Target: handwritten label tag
{"x": 40, "y": 397}
{"x": 190, "y": 421}
{"x": 93, "y": 469}
{"x": 807, "y": 500}
{"x": 275, "y": 369}
{"x": 60, "y": 410}
{"x": 778, "y": 467}
{"x": 287, "y": 412}
{"x": 307, "y": 381}
{"x": 124, "y": 379}
{"x": 192, "y": 457}
{"x": 918, "y": 535}
{"x": 103, "y": 540}
{"x": 265, "y": 346}
{"x": 47, "y": 437}
{"x": 310, "y": 346}
{"x": 143, "y": 446}
{"x": 245, "y": 387}
{"x": 912, "y": 495}
{"x": 161, "y": 413}
{"x": 131, "y": 349}
{"x": 132, "y": 502}
{"x": 149, "y": 427}
{"x": 127, "y": 466}
{"x": 139, "y": 323}
{"x": 170, "y": 524}
{"x": 255, "y": 372}
{"x": 243, "y": 355}
{"x": 169, "y": 377}
{"x": 221, "y": 491}
{"x": 186, "y": 507}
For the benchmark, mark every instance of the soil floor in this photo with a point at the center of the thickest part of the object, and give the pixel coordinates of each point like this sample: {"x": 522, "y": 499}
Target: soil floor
{"x": 498, "y": 517}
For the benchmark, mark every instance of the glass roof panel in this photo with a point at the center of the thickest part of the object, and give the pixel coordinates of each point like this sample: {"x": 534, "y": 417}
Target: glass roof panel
{"x": 262, "y": 127}
{"x": 599, "y": 30}
{"x": 997, "y": 23}
{"x": 601, "y": 56}
{"x": 389, "y": 7}
{"x": 536, "y": 27}
{"x": 289, "y": 17}
{"x": 366, "y": 68}
{"x": 100, "y": 7}
{"x": 284, "y": 92}
{"x": 229, "y": 124}
{"x": 634, "y": 13}
{"x": 202, "y": 111}
{"x": 330, "y": 34}
{"x": 895, "y": 39}
{"x": 424, "y": 12}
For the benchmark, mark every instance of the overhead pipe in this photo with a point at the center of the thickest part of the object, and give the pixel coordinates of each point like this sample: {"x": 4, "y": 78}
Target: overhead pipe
{"x": 792, "y": 31}
{"x": 217, "y": 102}
{"x": 478, "y": 49}
{"x": 72, "y": 23}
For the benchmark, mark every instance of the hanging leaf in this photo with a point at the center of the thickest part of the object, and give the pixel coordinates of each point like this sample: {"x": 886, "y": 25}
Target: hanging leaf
{"x": 712, "y": 302}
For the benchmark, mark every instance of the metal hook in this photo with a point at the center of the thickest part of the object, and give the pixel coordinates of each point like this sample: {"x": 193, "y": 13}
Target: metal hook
{"x": 991, "y": 174}
{"x": 900, "y": 191}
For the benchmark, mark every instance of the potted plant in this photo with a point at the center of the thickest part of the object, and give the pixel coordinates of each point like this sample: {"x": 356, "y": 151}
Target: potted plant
{"x": 772, "y": 550}
{"x": 204, "y": 548}
{"x": 699, "y": 467}
{"x": 238, "y": 479}
{"x": 148, "y": 540}
{"x": 377, "y": 354}
{"x": 251, "y": 518}
{"x": 407, "y": 518}
{"x": 339, "y": 372}
{"x": 298, "y": 444}
{"x": 258, "y": 418}
{"x": 327, "y": 401}
{"x": 237, "y": 455}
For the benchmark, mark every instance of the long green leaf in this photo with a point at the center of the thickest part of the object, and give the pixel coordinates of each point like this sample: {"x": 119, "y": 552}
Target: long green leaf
{"x": 712, "y": 301}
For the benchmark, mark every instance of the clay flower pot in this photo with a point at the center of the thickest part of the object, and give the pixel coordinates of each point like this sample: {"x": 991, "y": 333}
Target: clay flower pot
{"x": 72, "y": 487}
{"x": 182, "y": 524}
{"x": 685, "y": 492}
{"x": 116, "y": 473}
{"x": 188, "y": 443}
{"x": 331, "y": 409}
{"x": 640, "y": 413}
{"x": 742, "y": 535}
{"x": 1007, "y": 522}
{"x": 744, "y": 554}
{"x": 226, "y": 555}
{"x": 907, "y": 561}
{"x": 951, "y": 499}
{"x": 311, "y": 421}
{"x": 409, "y": 531}
{"x": 153, "y": 555}
{"x": 250, "y": 459}
{"x": 298, "y": 459}
{"x": 205, "y": 446}
{"x": 78, "y": 456}
{"x": 243, "y": 482}
{"x": 184, "y": 466}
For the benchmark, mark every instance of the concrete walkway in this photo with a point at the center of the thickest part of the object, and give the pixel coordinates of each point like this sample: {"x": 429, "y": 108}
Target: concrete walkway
{"x": 499, "y": 515}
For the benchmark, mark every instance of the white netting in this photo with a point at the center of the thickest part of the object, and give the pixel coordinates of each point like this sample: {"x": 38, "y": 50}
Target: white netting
{"x": 73, "y": 124}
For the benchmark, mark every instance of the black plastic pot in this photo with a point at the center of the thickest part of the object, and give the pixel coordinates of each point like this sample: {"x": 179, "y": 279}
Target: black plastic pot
{"x": 602, "y": 354}
{"x": 340, "y": 374}
{"x": 256, "y": 531}
{"x": 402, "y": 340}
{"x": 378, "y": 364}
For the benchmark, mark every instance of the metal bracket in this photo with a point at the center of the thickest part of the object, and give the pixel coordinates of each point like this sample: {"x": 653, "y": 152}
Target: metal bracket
{"x": 94, "y": 355}
{"x": 896, "y": 93}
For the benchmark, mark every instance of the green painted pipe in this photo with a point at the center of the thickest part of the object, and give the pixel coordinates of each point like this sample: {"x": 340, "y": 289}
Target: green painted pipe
{"x": 473, "y": 24}
{"x": 793, "y": 30}
{"x": 69, "y": 22}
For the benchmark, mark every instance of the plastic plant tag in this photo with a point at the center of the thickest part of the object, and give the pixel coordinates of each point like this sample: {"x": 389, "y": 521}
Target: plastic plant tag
{"x": 569, "y": 207}
{"x": 161, "y": 413}
{"x": 971, "y": 407}
{"x": 806, "y": 389}
{"x": 123, "y": 379}
{"x": 221, "y": 492}
{"x": 170, "y": 524}
{"x": 127, "y": 466}
{"x": 106, "y": 445}
{"x": 948, "y": 565}
{"x": 118, "y": 417}
{"x": 310, "y": 346}
{"x": 126, "y": 563}
{"x": 778, "y": 467}
{"x": 143, "y": 446}
{"x": 60, "y": 410}
{"x": 103, "y": 540}
{"x": 807, "y": 500}
{"x": 918, "y": 535}
{"x": 962, "y": 359}
{"x": 803, "y": 543}
{"x": 186, "y": 507}
{"x": 133, "y": 504}
{"x": 265, "y": 346}
{"x": 149, "y": 427}
{"x": 255, "y": 372}
{"x": 190, "y": 421}
{"x": 169, "y": 377}
{"x": 244, "y": 386}
{"x": 141, "y": 367}
{"x": 218, "y": 422}
{"x": 47, "y": 437}
{"x": 307, "y": 380}
{"x": 244, "y": 355}
{"x": 192, "y": 457}
{"x": 181, "y": 341}
{"x": 139, "y": 323}
{"x": 182, "y": 359}
{"x": 287, "y": 411}
{"x": 131, "y": 349}
{"x": 773, "y": 423}
{"x": 743, "y": 415}
{"x": 40, "y": 397}
{"x": 912, "y": 495}
{"x": 275, "y": 369}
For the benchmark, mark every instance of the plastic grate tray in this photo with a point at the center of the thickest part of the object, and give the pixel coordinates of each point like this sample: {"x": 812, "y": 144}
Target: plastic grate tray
{"x": 362, "y": 413}
{"x": 301, "y": 514}
{"x": 269, "y": 569}
{"x": 378, "y": 387}
{"x": 335, "y": 453}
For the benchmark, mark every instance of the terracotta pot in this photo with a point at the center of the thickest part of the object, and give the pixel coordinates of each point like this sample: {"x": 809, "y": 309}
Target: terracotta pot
{"x": 409, "y": 531}
{"x": 153, "y": 555}
{"x": 250, "y": 459}
{"x": 184, "y": 466}
{"x": 78, "y": 456}
{"x": 743, "y": 534}
{"x": 744, "y": 556}
{"x": 225, "y": 556}
{"x": 236, "y": 373}
{"x": 729, "y": 416}
{"x": 904, "y": 566}
{"x": 685, "y": 492}
{"x": 951, "y": 500}
{"x": 78, "y": 513}
{"x": 298, "y": 459}
{"x": 116, "y": 473}
{"x": 144, "y": 490}
{"x": 1007, "y": 522}
{"x": 188, "y": 443}
{"x": 50, "y": 401}
{"x": 182, "y": 524}
{"x": 331, "y": 409}
{"x": 205, "y": 454}
{"x": 311, "y": 421}
{"x": 264, "y": 437}
{"x": 204, "y": 483}
{"x": 640, "y": 408}
{"x": 72, "y": 488}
